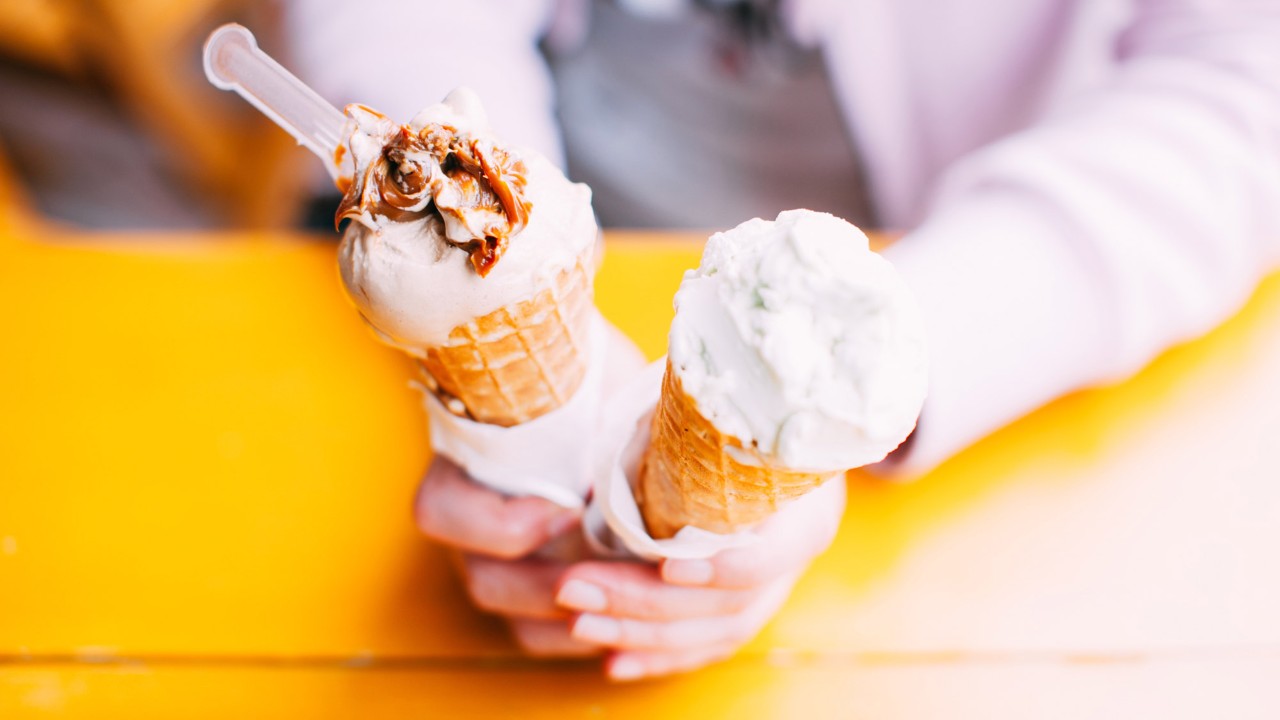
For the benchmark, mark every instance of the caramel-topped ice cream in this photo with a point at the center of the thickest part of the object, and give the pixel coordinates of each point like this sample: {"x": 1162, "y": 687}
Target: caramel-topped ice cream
{"x": 437, "y": 166}
{"x": 471, "y": 255}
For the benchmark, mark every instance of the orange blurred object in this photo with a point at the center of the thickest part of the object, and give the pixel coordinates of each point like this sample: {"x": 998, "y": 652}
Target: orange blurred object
{"x": 39, "y": 32}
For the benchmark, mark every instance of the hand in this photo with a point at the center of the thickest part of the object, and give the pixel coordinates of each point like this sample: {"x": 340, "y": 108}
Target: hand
{"x": 684, "y": 614}
{"x": 651, "y": 619}
{"x": 495, "y": 535}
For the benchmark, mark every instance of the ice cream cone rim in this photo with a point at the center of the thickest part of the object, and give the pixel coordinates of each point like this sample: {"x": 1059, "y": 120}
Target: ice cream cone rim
{"x": 687, "y": 477}
{"x": 614, "y": 524}
{"x": 736, "y": 449}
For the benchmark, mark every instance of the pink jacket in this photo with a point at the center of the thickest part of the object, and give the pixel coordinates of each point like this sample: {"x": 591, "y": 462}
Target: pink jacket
{"x": 1083, "y": 182}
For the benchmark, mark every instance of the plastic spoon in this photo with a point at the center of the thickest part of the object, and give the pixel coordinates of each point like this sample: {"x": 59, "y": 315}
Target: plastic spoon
{"x": 232, "y": 61}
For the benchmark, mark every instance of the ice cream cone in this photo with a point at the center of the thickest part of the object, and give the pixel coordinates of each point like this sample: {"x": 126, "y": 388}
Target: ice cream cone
{"x": 472, "y": 256}
{"x": 520, "y": 361}
{"x": 689, "y": 475}
{"x": 796, "y": 353}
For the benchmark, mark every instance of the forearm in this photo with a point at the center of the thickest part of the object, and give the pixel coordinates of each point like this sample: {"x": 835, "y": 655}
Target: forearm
{"x": 1075, "y": 251}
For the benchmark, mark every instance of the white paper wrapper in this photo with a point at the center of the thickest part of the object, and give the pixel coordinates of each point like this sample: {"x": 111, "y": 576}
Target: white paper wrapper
{"x": 613, "y": 524}
{"x": 551, "y": 456}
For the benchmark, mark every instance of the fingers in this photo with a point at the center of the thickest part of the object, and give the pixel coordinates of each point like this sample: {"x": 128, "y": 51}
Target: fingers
{"x": 674, "y": 635}
{"x": 638, "y": 664}
{"x": 687, "y": 634}
{"x": 789, "y": 540}
{"x": 458, "y": 512}
{"x": 656, "y": 620}
{"x": 522, "y": 589}
{"x": 687, "y": 614}
{"x": 550, "y": 638}
{"x": 637, "y": 591}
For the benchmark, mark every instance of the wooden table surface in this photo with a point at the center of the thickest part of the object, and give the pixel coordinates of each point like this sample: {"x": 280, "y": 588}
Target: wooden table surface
{"x": 206, "y": 466}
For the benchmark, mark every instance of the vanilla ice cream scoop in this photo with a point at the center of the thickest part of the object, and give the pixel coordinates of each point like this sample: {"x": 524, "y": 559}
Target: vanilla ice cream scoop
{"x": 795, "y": 338}
{"x": 450, "y": 225}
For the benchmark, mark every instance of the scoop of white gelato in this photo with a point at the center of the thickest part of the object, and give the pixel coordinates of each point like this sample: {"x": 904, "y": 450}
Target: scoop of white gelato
{"x": 413, "y": 281}
{"x": 795, "y": 338}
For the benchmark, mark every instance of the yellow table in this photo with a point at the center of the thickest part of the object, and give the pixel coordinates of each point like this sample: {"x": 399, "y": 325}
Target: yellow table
{"x": 206, "y": 466}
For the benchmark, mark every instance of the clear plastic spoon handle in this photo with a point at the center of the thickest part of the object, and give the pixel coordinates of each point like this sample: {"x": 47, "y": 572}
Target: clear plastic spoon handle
{"x": 232, "y": 61}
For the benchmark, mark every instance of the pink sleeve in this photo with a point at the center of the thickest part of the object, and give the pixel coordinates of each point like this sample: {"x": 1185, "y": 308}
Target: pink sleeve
{"x": 400, "y": 57}
{"x": 1140, "y": 216}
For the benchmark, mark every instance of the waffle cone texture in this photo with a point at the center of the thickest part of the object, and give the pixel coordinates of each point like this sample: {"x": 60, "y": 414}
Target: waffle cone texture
{"x": 688, "y": 477}
{"x": 518, "y": 362}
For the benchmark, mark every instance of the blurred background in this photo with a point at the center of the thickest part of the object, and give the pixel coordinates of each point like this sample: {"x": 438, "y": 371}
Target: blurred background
{"x": 109, "y": 123}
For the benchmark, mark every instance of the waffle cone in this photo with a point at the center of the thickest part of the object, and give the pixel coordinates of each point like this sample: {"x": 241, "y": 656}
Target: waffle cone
{"x": 688, "y": 477}
{"x": 520, "y": 361}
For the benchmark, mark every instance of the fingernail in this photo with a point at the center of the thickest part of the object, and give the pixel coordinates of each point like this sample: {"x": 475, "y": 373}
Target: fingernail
{"x": 583, "y": 596}
{"x": 687, "y": 572}
{"x": 626, "y": 668}
{"x": 596, "y": 628}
